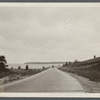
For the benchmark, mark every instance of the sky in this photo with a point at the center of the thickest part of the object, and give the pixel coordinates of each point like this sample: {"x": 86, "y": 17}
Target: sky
{"x": 33, "y": 34}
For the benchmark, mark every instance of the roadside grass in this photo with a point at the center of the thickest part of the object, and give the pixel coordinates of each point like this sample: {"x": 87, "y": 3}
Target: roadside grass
{"x": 5, "y": 72}
{"x": 24, "y": 72}
{"x": 92, "y": 72}
{"x": 10, "y": 75}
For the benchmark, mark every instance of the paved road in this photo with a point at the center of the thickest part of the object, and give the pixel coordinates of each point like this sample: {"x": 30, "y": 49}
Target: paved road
{"x": 51, "y": 80}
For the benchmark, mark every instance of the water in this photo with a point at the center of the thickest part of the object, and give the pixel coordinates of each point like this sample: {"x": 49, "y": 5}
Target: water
{"x": 32, "y": 66}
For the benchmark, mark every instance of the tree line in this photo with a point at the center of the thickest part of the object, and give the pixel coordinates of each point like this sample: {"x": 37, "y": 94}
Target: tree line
{"x": 3, "y": 64}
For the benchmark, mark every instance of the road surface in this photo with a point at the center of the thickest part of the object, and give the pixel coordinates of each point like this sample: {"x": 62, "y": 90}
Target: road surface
{"x": 51, "y": 80}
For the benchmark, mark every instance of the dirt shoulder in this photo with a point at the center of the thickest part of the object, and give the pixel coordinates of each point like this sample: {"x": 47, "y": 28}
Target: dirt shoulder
{"x": 88, "y": 86}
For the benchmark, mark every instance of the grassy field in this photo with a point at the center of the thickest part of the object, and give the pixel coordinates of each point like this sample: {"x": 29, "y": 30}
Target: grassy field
{"x": 88, "y": 69}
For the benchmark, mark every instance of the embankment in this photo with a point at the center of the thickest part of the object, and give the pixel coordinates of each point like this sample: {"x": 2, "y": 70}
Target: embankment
{"x": 86, "y": 72}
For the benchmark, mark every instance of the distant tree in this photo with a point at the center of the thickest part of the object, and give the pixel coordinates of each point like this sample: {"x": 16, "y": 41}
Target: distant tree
{"x": 76, "y": 61}
{"x": 52, "y": 66}
{"x": 27, "y": 67}
{"x": 19, "y": 67}
{"x": 94, "y": 56}
{"x": 43, "y": 67}
{"x": 66, "y": 63}
{"x": 3, "y": 62}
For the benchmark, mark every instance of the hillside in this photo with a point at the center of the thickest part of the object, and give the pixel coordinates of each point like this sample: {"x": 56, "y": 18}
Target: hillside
{"x": 87, "y": 62}
{"x": 89, "y": 69}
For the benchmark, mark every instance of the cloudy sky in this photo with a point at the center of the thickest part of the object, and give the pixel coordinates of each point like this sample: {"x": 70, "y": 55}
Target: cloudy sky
{"x": 49, "y": 33}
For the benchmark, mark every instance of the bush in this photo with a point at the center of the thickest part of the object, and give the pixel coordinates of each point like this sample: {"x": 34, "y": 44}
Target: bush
{"x": 3, "y": 62}
{"x": 27, "y": 67}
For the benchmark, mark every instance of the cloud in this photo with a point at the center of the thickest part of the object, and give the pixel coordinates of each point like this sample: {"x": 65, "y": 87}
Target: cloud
{"x": 49, "y": 33}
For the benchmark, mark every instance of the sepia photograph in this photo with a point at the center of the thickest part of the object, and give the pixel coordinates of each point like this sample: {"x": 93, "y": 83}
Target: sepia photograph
{"x": 50, "y": 48}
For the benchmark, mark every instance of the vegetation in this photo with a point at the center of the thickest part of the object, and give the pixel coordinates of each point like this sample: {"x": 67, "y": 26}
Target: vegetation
{"x": 27, "y": 67}
{"x": 3, "y": 62}
{"x": 19, "y": 67}
{"x": 16, "y": 74}
{"x": 89, "y": 69}
{"x": 11, "y": 74}
{"x": 43, "y": 67}
{"x": 52, "y": 66}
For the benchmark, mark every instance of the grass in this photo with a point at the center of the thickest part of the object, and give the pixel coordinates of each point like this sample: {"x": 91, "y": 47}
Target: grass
{"x": 88, "y": 69}
{"x": 9, "y": 75}
{"x": 4, "y": 72}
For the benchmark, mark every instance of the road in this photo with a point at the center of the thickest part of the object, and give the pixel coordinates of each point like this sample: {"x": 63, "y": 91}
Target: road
{"x": 51, "y": 80}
